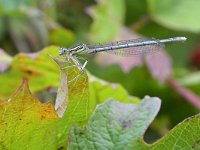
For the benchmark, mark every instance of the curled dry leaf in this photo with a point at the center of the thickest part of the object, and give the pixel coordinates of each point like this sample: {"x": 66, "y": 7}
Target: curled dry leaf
{"x": 62, "y": 94}
{"x": 71, "y": 93}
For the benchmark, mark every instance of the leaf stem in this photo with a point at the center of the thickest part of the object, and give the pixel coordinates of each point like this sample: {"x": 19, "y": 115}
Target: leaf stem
{"x": 186, "y": 93}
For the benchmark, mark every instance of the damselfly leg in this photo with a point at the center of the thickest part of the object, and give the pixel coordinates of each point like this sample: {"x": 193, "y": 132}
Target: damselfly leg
{"x": 75, "y": 60}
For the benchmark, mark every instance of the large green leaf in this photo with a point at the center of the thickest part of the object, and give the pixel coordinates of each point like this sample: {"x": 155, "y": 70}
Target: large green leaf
{"x": 115, "y": 125}
{"x": 184, "y": 136}
{"x": 182, "y": 15}
{"x": 118, "y": 126}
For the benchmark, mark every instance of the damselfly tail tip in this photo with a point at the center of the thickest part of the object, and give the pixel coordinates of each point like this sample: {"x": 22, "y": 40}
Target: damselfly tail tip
{"x": 181, "y": 38}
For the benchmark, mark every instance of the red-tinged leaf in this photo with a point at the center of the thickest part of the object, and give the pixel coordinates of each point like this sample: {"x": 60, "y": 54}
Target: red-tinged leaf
{"x": 159, "y": 65}
{"x": 126, "y": 63}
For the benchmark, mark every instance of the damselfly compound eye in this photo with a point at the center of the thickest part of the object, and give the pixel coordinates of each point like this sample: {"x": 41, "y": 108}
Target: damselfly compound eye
{"x": 62, "y": 51}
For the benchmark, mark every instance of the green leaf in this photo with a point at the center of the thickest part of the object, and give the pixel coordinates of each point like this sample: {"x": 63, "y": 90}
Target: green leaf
{"x": 135, "y": 9}
{"x": 62, "y": 36}
{"x": 101, "y": 91}
{"x": 108, "y": 18}
{"x": 185, "y": 135}
{"x": 181, "y": 15}
{"x": 115, "y": 125}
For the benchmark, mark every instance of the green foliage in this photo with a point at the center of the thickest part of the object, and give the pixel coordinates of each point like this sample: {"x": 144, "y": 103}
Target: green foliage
{"x": 108, "y": 18}
{"x": 35, "y": 69}
{"x": 139, "y": 82}
{"x": 115, "y": 125}
{"x": 31, "y": 25}
{"x": 62, "y": 36}
{"x": 25, "y": 117}
{"x": 184, "y": 136}
{"x": 139, "y": 7}
{"x": 10, "y": 6}
{"x": 101, "y": 90}
{"x": 178, "y": 15}
{"x": 27, "y": 26}
{"x": 25, "y": 122}
{"x": 79, "y": 107}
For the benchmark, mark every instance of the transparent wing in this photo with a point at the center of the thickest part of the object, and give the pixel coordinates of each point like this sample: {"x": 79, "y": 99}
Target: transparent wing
{"x": 135, "y": 47}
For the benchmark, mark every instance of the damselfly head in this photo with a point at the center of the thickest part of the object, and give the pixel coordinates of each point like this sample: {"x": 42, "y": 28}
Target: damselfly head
{"x": 62, "y": 50}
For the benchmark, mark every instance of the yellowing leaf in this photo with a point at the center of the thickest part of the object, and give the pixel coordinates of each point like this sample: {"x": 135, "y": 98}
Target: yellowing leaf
{"x": 41, "y": 71}
{"x": 25, "y": 122}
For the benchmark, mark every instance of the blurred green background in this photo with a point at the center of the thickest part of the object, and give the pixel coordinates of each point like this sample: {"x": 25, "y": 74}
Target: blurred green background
{"x": 29, "y": 26}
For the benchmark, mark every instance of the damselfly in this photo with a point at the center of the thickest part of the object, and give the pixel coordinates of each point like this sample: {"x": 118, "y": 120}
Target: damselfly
{"x": 126, "y": 48}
